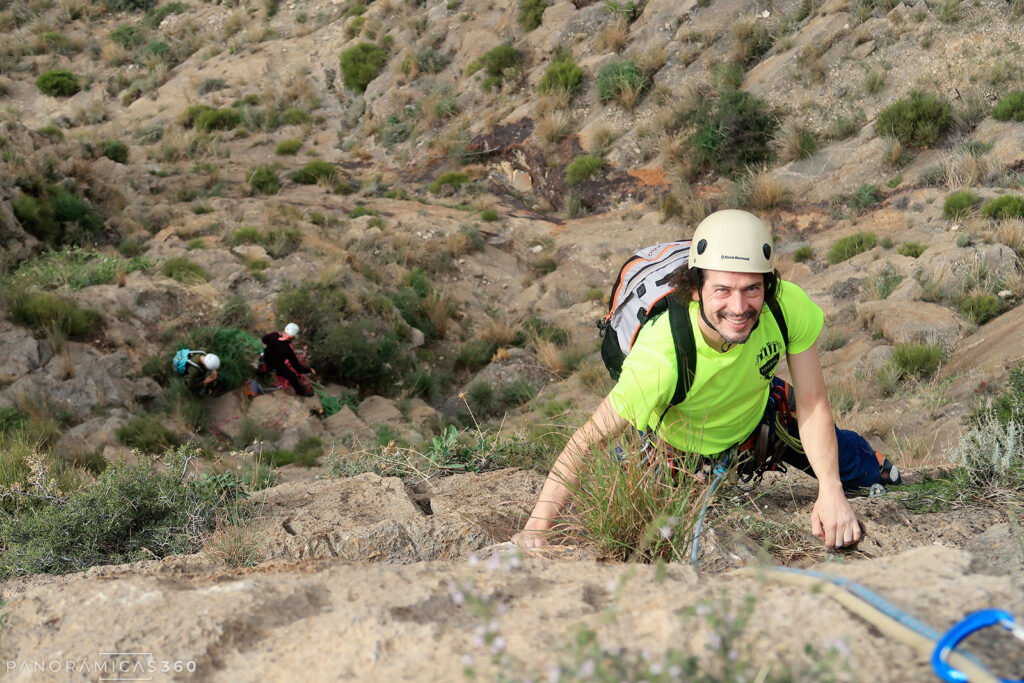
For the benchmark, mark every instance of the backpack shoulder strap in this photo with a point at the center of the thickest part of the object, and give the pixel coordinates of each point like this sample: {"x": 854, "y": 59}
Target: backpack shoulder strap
{"x": 780, "y": 320}
{"x": 686, "y": 348}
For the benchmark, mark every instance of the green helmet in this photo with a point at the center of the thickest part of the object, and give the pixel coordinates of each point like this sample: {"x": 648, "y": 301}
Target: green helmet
{"x": 734, "y": 241}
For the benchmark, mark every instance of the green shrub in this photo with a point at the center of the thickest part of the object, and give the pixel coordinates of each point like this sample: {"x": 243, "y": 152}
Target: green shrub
{"x": 804, "y": 253}
{"x": 37, "y": 216}
{"x": 157, "y": 48}
{"x": 293, "y": 116}
{"x": 498, "y": 61}
{"x": 488, "y": 215}
{"x": 582, "y": 167}
{"x": 621, "y": 81}
{"x": 959, "y": 204}
{"x": 287, "y": 147}
{"x": 430, "y": 60}
{"x": 1007, "y": 206}
{"x": 52, "y": 132}
{"x": 541, "y": 329}
{"x": 474, "y": 355}
{"x": 184, "y": 271}
{"x": 49, "y": 217}
{"x": 306, "y": 453}
{"x": 128, "y": 36}
{"x": 562, "y": 76}
{"x": 865, "y": 197}
{"x": 917, "y": 360}
{"x": 452, "y": 179}
{"x": 115, "y": 150}
{"x": 192, "y": 114}
{"x": 314, "y": 172}
{"x": 209, "y": 85}
{"x": 1010, "y": 107}
{"x": 218, "y": 119}
{"x": 263, "y": 179}
{"x": 129, "y": 5}
{"x": 531, "y": 12}
{"x": 917, "y": 121}
{"x": 72, "y": 267}
{"x": 45, "y": 312}
{"x": 360, "y": 211}
{"x": 980, "y": 308}
{"x": 279, "y": 242}
{"x": 850, "y": 246}
{"x": 911, "y": 249}
{"x": 154, "y": 17}
{"x": 361, "y": 64}
{"x": 132, "y": 512}
{"x": 148, "y": 434}
{"x": 734, "y": 132}
{"x": 58, "y": 83}
{"x": 247, "y": 234}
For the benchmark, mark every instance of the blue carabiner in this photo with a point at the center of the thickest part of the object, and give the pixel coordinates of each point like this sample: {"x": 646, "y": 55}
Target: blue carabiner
{"x": 971, "y": 623}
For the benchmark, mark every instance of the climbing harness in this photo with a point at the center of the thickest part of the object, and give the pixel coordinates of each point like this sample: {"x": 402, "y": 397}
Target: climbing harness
{"x": 971, "y": 623}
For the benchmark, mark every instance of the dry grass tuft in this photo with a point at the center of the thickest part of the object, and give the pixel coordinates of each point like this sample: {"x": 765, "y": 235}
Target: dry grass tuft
{"x": 551, "y": 102}
{"x": 1011, "y": 233}
{"x": 600, "y": 139}
{"x": 553, "y": 127}
{"x": 498, "y": 331}
{"x": 113, "y": 54}
{"x": 650, "y": 60}
{"x": 966, "y": 169}
{"x": 761, "y": 190}
{"x": 613, "y": 37}
{"x": 683, "y": 203}
{"x": 892, "y": 153}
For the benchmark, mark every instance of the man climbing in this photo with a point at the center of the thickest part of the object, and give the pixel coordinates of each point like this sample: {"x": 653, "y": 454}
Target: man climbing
{"x": 728, "y": 292}
{"x": 280, "y": 357}
{"x": 200, "y": 369}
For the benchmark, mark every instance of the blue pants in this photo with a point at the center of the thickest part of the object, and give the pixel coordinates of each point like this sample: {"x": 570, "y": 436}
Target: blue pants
{"x": 858, "y": 466}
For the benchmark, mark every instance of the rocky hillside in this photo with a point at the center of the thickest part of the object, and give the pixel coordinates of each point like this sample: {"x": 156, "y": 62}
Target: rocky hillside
{"x": 440, "y": 195}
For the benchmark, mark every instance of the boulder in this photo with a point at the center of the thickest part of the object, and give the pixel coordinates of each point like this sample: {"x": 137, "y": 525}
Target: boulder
{"x": 901, "y": 324}
{"x": 518, "y": 366}
{"x": 375, "y": 410}
{"x": 19, "y": 354}
{"x": 92, "y": 436}
{"x": 345, "y": 424}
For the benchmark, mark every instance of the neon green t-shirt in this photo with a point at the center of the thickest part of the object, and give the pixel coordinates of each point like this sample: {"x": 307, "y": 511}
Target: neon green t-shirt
{"x": 729, "y": 390}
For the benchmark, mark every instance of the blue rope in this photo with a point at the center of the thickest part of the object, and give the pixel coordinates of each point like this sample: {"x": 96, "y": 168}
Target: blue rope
{"x": 721, "y": 467}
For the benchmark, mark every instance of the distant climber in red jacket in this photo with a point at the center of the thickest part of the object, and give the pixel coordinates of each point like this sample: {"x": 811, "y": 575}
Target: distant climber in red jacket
{"x": 280, "y": 357}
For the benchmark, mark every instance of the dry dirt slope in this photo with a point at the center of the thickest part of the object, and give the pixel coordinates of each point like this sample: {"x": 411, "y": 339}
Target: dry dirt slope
{"x": 329, "y": 618}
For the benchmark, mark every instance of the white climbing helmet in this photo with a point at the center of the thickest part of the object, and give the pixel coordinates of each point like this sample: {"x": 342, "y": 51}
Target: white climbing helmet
{"x": 734, "y": 241}
{"x": 211, "y": 361}
{"x": 291, "y": 329}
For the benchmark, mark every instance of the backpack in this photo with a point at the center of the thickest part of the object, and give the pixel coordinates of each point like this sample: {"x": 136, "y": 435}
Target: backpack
{"x": 180, "y": 361}
{"x": 642, "y": 292}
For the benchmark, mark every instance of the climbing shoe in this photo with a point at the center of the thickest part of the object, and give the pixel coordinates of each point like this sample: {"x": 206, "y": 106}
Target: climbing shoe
{"x": 890, "y": 473}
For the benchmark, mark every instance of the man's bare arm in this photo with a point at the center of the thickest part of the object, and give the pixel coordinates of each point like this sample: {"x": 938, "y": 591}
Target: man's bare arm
{"x": 604, "y": 424}
{"x": 832, "y": 518}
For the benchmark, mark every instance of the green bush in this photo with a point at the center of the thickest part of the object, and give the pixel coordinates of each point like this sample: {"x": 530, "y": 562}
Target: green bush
{"x": 287, "y": 147}
{"x": 263, "y": 179}
{"x": 184, "y": 271}
{"x": 582, "y": 167}
{"x": 917, "y": 360}
{"x": 1007, "y": 206}
{"x": 192, "y": 114}
{"x": 58, "y": 83}
{"x": 154, "y": 17}
{"x": 218, "y": 119}
{"x": 279, "y": 242}
{"x": 361, "y": 211}
{"x": 865, "y": 197}
{"x": 620, "y": 81}
{"x": 804, "y": 253}
{"x": 980, "y": 308}
{"x": 371, "y": 352}
{"x": 1010, "y": 107}
{"x": 531, "y": 12}
{"x": 132, "y": 512}
{"x": 361, "y": 64}
{"x": 128, "y": 36}
{"x": 129, "y": 5}
{"x": 562, "y": 76}
{"x": 496, "y": 62}
{"x": 74, "y": 268}
{"x": 314, "y": 172}
{"x": 115, "y": 150}
{"x": 306, "y": 453}
{"x": 421, "y": 306}
{"x": 911, "y": 249}
{"x": 293, "y": 116}
{"x": 850, "y": 246}
{"x": 733, "y": 132}
{"x": 50, "y": 217}
{"x": 488, "y": 215}
{"x": 45, "y": 312}
{"x": 430, "y": 60}
{"x": 52, "y": 132}
{"x": 453, "y": 179}
{"x": 541, "y": 329}
{"x": 474, "y": 354}
{"x": 247, "y": 234}
{"x": 157, "y": 48}
{"x": 959, "y": 204}
{"x": 209, "y": 85}
{"x": 917, "y": 121}
{"x": 148, "y": 434}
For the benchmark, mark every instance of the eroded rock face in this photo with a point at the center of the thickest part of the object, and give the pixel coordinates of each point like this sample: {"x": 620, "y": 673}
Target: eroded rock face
{"x": 374, "y": 519}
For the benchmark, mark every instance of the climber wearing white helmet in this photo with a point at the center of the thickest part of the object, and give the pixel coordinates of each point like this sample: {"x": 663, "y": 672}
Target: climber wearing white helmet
{"x": 200, "y": 369}
{"x": 279, "y": 356}
{"x": 743, "y": 320}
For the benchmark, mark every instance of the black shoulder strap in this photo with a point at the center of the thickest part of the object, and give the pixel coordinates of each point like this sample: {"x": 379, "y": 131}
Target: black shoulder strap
{"x": 686, "y": 348}
{"x": 773, "y": 305}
